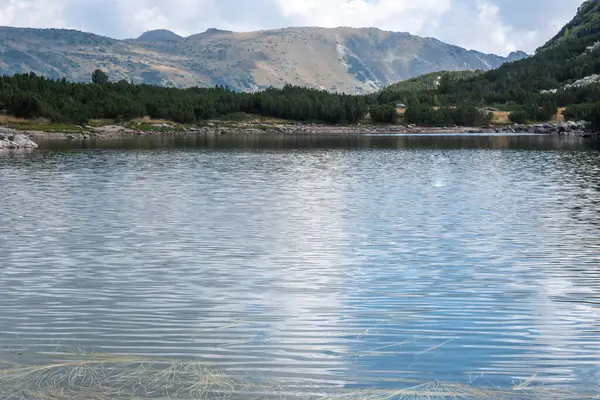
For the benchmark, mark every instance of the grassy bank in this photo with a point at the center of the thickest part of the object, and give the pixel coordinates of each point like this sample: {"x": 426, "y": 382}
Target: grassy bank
{"x": 144, "y": 124}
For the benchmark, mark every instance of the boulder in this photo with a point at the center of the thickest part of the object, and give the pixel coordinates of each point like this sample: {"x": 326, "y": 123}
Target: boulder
{"x": 16, "y": 141}
{"x": 24, "y": 142}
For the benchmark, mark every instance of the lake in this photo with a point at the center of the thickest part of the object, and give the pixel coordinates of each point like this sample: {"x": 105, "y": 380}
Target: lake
{"x": 302, "y": 267}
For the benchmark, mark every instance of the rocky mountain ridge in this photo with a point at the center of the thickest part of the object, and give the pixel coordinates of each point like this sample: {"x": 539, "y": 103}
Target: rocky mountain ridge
{"x": 347, "y": 60}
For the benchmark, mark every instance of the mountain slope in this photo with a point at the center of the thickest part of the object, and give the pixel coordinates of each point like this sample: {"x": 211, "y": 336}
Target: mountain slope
{"x": 585, "y": 23}
{"x": 159, "y": 35}
{"x": 341, "y": 59}
{"x": 569, "y": 61}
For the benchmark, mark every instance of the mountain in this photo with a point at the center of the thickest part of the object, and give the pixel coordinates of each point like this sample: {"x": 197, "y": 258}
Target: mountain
{"x": 159, "y": 35}
{"x": 341, "y": 59}
{"x": 564, "y": 71}
{"x": 516, "y": 56}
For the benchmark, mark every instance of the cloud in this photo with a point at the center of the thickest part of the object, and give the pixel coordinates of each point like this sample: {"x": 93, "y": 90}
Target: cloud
{"x": 479, "y": 26}
{"x": 497, "y": 26}
{"x": 501, "y": 26}
{"x": 31, "y": 13}
{"x": 404, "y": 15}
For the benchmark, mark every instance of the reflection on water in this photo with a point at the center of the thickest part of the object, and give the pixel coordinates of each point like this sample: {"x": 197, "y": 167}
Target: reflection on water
{"x": 434, "y": 141}
{"x": 471, "y": 260}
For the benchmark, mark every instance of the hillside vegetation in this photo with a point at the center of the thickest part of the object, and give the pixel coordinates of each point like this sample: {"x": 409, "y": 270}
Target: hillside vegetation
{"x": 30, "y": 96}
{"x": 585, "y": 23}
{"x": 424, "y": 83}
{"x": 533, "y": 88}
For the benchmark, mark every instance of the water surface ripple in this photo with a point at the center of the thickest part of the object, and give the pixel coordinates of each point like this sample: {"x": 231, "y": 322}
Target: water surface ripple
{"x": 345, "y": 266}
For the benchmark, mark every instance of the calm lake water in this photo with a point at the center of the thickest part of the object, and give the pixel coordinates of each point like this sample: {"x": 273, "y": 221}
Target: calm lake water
{"x": 322, "y": 264}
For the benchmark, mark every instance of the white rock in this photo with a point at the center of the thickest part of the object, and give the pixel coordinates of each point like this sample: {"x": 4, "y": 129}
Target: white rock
{"x": 24, "y": 142}
{"x": 9, "y": 140}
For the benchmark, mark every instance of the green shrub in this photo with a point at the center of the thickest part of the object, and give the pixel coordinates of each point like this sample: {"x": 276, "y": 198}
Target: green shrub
{"x": 99, "y": 77}
{"x": 31, "y": 96}
{"x": 580, "y": 112}
{"x": 463, "y": 115}
{"x": 519, "y": 117}
{"x": 384, "y": 113}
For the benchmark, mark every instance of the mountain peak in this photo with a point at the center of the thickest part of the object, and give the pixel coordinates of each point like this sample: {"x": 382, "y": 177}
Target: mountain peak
{"x": 213, "y": 31}
{"x": 517, "y": 55}
{"x": 159, "y": 35}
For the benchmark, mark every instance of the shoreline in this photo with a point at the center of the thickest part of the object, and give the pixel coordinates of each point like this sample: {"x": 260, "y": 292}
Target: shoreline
{"x": 11, "y": 137}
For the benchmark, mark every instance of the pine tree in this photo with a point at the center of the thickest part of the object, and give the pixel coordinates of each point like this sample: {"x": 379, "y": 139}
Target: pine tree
{"x": 99, "y": 77}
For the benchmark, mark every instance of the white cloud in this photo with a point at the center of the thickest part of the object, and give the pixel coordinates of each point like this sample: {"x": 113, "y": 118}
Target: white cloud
{"x": 497, "y": 26}
{"x": 486, "y": 30}
{"x": 41, "y": 14}
{"x": 394, "y": 15}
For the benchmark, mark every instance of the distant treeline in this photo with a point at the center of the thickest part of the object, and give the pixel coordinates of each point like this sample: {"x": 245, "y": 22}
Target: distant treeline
{"x": 525, "y": 106}
{"x": 31, "y": 96}
{"x": 444, "y": 116}
{"x": 426, "y": 115}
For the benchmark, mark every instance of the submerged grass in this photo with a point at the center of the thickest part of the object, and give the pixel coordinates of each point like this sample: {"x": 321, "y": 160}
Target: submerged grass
{"x": 99, "y": 376}
{"x": 104, "y": 376}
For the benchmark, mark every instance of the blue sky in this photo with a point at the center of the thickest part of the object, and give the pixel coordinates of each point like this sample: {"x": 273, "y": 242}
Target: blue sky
{"x": 497, "y": 26}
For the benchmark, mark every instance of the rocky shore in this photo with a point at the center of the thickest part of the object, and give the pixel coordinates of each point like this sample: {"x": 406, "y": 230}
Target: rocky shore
{"x": 10, "y": 139}
{"x": 570, "y": 128}
{"x": 26, "y": 139}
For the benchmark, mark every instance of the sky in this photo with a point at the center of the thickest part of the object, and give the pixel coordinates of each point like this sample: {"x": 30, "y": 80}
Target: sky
{"x": 491, "y": 26}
